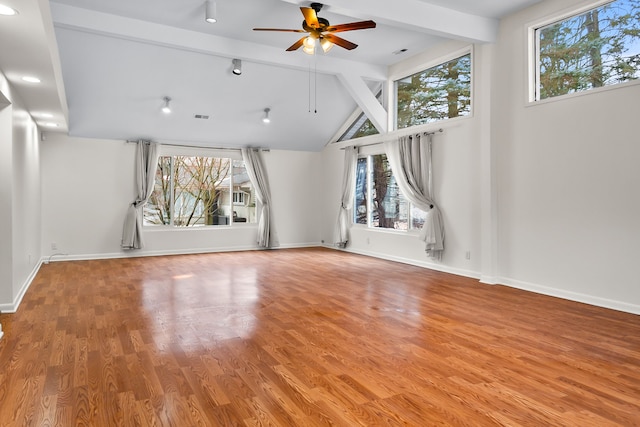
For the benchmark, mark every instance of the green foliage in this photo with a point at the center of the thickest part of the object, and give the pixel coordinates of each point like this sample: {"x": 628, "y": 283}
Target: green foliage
{"x": 441, "y": 92}
{"x": 597, "y": 48}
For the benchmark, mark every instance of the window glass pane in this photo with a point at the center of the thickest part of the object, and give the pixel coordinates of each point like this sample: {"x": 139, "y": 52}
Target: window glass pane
{"x": 362, "y": 126}
{"x": 360, "y": 204}
{"x": 597, "y": 48}
{"x": 389, "y": 208}
{"x": 198, "y": 191}
{"x": 439, "y": 93}
{"x": 244, "y": 200}
{"x": 158, "y": 210}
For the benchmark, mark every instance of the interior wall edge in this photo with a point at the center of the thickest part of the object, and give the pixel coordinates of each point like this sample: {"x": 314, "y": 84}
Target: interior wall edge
{"x": 13, "y": 306}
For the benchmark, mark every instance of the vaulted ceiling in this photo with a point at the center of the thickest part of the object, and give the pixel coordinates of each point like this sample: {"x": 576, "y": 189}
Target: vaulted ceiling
{"x": 107, "y": 65}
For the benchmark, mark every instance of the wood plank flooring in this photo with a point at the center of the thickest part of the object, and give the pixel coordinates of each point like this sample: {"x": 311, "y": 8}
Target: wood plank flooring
{"x": 308, "y": 337}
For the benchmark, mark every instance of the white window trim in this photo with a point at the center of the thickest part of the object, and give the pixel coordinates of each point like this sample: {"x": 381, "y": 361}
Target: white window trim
{"x": 533, "y": 65}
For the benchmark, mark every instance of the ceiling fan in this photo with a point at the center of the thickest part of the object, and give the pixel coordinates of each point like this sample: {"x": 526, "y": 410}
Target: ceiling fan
{"x": 321, "y": 31}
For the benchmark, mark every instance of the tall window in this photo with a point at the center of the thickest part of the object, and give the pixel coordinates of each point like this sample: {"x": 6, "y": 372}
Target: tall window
{"x": 596, "y": 48}
{"x": 198, "y": 191}
{"x": 438, "y": 93}
{"x": 378, "y": 201}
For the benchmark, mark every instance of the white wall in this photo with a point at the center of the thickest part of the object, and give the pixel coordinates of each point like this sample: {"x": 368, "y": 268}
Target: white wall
{"x": 568, "y": 174}
{"x": 457, "y": 178}
{"x": 88, "y": 185}
{"x": 26, "y": 201}
{"x": 6, "y": 191}
{"x": 20, "y": 197}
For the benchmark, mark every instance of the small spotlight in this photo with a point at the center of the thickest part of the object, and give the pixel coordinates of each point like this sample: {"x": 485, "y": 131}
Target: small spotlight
{"x": 166, "y": 108}
{"x": 237, "y": 67}
{"x": 266, "y": 118}
{"x": 210, "y": 13}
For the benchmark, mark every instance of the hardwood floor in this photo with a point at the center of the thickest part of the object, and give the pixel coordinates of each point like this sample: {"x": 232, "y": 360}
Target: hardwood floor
{"x": 307, "y": 337}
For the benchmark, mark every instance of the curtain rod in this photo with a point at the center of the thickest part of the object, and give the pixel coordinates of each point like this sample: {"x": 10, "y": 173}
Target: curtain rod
{"x": 129, "y": 141}
{"x": 410, "y": 136}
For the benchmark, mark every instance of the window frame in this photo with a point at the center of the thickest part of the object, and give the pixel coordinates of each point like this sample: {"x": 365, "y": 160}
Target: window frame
{"x": 423, "y": 66}
{"x": 368, "y": 153}
{"x": 533, "y": 55}
{"x": 175, "y": 150}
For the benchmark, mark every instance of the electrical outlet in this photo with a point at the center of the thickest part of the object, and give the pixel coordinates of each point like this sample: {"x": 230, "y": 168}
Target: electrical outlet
{"x": 467, "y": 255}
{"x": 54, "y": 246}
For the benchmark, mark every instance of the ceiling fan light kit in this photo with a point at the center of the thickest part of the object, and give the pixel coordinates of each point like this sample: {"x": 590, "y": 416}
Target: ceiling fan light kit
{"x": 320, "y": 29}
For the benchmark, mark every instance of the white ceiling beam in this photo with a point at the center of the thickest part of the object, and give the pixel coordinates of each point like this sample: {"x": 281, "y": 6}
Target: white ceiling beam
{"x": 365, "y": 99}
{"x": 418, "y": 16}
{"x": 70, "y": 17}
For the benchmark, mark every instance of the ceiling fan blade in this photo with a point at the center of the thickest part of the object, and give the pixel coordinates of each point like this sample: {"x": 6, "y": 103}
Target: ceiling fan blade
{"x": 362, "y": 25}
{"x": 279, "y": 29}
{"x": 339, "y": 41}
{"x": 310, "y": 17}
{"x": 296, "y": 45}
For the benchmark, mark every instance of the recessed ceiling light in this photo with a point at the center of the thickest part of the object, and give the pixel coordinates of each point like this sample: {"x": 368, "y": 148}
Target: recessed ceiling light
{"x": 31, "y": 79}
{"x": 7, "y": 11}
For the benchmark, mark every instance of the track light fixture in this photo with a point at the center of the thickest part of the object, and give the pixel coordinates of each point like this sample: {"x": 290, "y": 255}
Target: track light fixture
{"x": 211, "y": 15}
{"x": 237, "y": 67}
{"x": 166, "y": 108}
{"x": 266, "y": 118}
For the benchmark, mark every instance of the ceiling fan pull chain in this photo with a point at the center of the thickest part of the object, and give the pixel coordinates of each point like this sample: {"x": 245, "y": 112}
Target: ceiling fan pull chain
{"x": 309, "y": 86}
{"x": 315, "y": 83}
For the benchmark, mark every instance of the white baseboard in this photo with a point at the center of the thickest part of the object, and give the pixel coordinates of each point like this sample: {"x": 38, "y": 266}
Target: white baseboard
{"x": 518, "y": 284}
{"x": 424, "y": 264}
{"x": 138, "y": 253}
{"x": 13, "y": 307}
{"x": 571, "y": 296}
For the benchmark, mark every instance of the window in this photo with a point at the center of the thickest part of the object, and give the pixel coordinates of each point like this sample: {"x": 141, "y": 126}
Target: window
{"x": 378, "y": 201}
{"x": 438, "y": 93}
{"x": 198, "y": 191}
{"x": 596, "y": 48}
{"x": 238, "y": 197}
{"x": 361, "y": 126}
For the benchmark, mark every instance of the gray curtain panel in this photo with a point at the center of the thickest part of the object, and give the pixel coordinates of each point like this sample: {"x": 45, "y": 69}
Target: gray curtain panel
{"x": 145, "y": 174}
{"x": 346, "y": 202}
{"x": 258, "y": 176}
{"x": 410, "y": 159}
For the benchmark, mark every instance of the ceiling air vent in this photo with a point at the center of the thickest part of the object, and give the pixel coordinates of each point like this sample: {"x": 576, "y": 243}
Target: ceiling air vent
{"x": 201, "y": 116}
